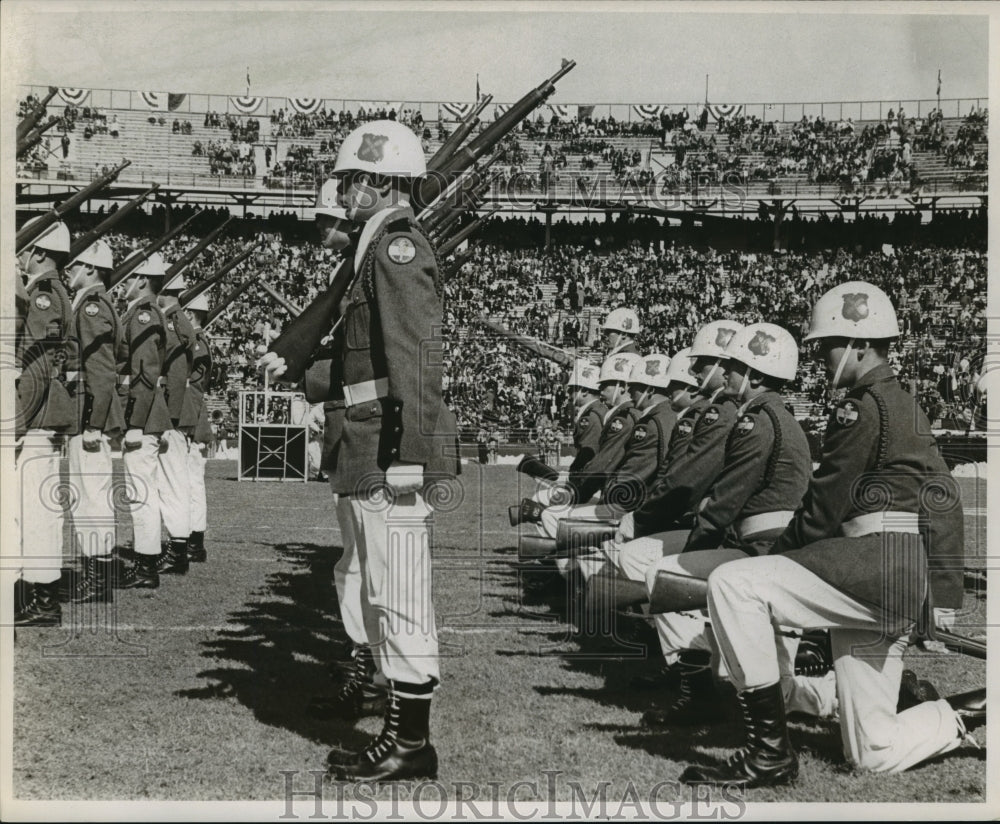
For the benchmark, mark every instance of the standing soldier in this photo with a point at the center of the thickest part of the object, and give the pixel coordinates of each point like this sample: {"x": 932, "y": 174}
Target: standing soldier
{"x": 140, "y": 366}
{"x": 175, "y": 470}
{"x": 201, "y": 435}
{"x": 46, "y": 360}
{"x": 98, "y": 331}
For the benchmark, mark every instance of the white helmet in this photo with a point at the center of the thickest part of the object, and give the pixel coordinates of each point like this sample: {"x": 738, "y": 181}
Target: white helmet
{"x": 54, "y": 239}
{"x": 198, "y": 303}
{"x": 679, "y": 368}
{"x": 618, "y": 367}
{"x": 327, "y": 203}
{"x": 651, "y": 371}
{"x": 152, "y": 267}
{"x": 767, "y": 348}
{"x": 382, "y": 147}
{"x": 98, "y": 255}
{"x": 585, "y": 375}
{"x": 622, "y": 320}
{"x": 176, "y": 284}
{"x": 712, "y": 339}
{"x": 853, "y": 310}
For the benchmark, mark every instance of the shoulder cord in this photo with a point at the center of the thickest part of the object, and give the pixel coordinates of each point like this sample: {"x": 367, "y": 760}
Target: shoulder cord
{"x": 882, "y": 451}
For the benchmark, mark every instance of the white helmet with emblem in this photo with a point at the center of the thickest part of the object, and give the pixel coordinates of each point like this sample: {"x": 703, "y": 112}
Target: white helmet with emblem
{"x": 767, "y": 348}
{"x": 98, "y": 255}
{"x": 856, "y": 309}
{"x": 54, "y": 239}
{"x": 712, "y": 339}
{"x": 198, "y": 303}
{"x": 651, "y": 371}
{"x": 152, "y": 267}
{"x": 622, "y": 320}
{"x": 382, "y": 147}
{"x": 679, "y": 369}
{"x": 176, "y": 284}
{"x": 618, "y": 367}
{"x": 585, "y": 375}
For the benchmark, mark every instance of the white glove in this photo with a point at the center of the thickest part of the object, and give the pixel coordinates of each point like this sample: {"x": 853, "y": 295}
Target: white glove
{"x": 133, "y": 439}
{"x": 626, "y": 529}
{"x": 403, "y": 478}
{"x": 91, "y": 440}
{"x": 273, "y": 364}
{"x": 944, "y": 618}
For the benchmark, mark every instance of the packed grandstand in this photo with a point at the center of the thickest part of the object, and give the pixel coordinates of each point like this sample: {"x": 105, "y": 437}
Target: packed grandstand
{"x": 555, "y": 277}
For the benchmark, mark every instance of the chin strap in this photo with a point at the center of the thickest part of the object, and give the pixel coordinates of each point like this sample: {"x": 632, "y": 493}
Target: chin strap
{"x": 744, "y": 383}
{"x": 843, "y": 362}
{"x": 711, "y": 374}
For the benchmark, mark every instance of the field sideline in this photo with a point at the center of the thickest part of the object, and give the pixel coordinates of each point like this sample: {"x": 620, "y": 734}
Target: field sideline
{"x": 199, "y": 693}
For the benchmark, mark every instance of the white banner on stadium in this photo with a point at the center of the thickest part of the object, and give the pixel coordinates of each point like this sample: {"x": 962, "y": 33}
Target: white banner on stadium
{"x": 726, "y": 110}
{"x": 458, "y": 111}
{"x": 75, "y": 97}
{"x": 246, "y": 105}
{"x": 648, "y": 111}
{"x": 306, "y": 105}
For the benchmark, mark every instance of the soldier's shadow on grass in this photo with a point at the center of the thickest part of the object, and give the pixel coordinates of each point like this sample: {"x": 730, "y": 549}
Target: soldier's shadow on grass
{"x": 277, "y": 653}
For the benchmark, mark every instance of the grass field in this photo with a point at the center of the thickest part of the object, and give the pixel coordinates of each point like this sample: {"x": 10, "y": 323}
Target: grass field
{"x": 199, "y": 691}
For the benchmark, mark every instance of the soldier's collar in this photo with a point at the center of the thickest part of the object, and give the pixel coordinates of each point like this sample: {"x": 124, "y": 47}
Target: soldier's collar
{"x": 615, "y": 408}
{"x": 882, "y": 372}
{"x": 136, "y": 302}
{"x": 649, "y": 410}
{"x": 761, "y": 400}
{"x": 48, "y": 274}
{"x": 375, "y": 222}
{"x": 82, "y": 293}
{"x": 582, "y": 410}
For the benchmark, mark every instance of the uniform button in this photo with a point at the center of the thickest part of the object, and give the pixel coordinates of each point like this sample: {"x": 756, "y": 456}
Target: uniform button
{"x": 397, "y": 429}
{"x": 394, "y": 452}
{"x": 398, "y": 407}
{"x": 374, "y": 408}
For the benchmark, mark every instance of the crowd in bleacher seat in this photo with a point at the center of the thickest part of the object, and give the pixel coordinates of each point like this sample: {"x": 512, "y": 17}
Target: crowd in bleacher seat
{"x": 227, "y": 158}
{"x": 962, "y": 151}
{"x": 180, "y": 127}
{"x": 297, "y": 124}
{"x": 556, "y": 128}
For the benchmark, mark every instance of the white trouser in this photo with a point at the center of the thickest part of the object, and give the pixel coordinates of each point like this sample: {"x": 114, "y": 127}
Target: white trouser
{"x": 635, "y": 557}
{"x": 196, "y": 487}
{"x": 90, "y": 478}
{"x": 175, "y": 496}
{"x": 552, "y": 515}
{"x": 347, "y": 575}
{"x": 142, "y": 473}
{"x": 393, "y": 543}
{"x": 314, "y": 451}
{"x": 41, "y": 510}
{"x": 747, "y": 599}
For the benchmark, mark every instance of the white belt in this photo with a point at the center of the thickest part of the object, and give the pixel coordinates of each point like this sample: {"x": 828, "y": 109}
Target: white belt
{"x": 764, "y": 522}
{"x": 890, "y": 521}
{"x": 365, "y": 392}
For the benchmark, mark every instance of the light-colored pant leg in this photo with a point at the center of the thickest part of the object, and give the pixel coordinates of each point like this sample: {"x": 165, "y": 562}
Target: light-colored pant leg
{"x": 636, "y": 556}
{"x": 42, "y": 506}
{"x": 347, "y": 576}
{"x": 175, "y": 506}
{"x": 588, "y": 512}
{"x": 394, "y": 550}
{"x": 142, "y": 475}
{"x": 809, "y": 694}
{"x": 197, "y": 499}
{"x": 90, "y": 479}
{"x": 747, "y": 599}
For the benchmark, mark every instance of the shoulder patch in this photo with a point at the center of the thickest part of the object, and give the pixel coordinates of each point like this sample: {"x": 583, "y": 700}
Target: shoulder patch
{"x": 639, "y": 433}
{"x": 170, "y": 325}
{"x": 617, "y": 425}
{"x": 745, "y": 425}
{"x": 584, "y": 422}
{"x": 685, "y": 427}
{"x": 91, "y": 309}
{"x": 143, "y": 317}
{"x": 402, "y": 250}
{"x": 711, "y": 415}
{"x": 847, "y": 413}
{"x": 43, "y": 301}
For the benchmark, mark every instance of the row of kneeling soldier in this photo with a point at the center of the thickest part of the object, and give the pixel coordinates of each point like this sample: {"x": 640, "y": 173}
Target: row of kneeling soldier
{"x": 693, "y": 495}
{"x": 88, "y": 378}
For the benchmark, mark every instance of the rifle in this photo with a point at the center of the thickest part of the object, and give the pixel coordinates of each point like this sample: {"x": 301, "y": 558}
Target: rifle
{"x": 960, "y": 643}
{"x": 538, "y": 347}
{"x": 302, "y": 336}
{"x": 215, "y": 311}
{"x": 464, "y": 129}
{"x": 184, "y": 260}
{"x": 30, "y": 233}
{"x": 132, "y": 262}
{"x": 31, "y": 118}
{"x": 280, "y": 299}
{"x": 87, "y": 239}
{"x": 453, "y": 242}
{"x": 191, "y": 293}
{"x": 34, "y": 136}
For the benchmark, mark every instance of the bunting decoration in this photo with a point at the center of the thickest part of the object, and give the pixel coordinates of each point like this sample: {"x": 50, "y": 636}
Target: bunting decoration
{"x": 583, "y": 112}
{"x": 306, "y": 105}
{"x": 500, "y": 109}
{"x": 74, "y": 97}
{"x": 726, "y": 110}
{"x": 458, "y": 111}
{"x": 648, "y": 111}
{"x": 560, "y": 111}
{"x": 246, "y": 105}
{"x": 161, "y": 101}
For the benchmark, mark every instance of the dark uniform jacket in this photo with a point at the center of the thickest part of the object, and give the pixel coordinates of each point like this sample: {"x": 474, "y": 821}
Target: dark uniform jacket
{"x": 688, "y": 478}
{"x": 766, "y": 469}
{"x": 177, "y": 368}
{"x": 198, "y": 385}
{"x": 587, "y": 428}
{"x": 45, "y": 350}
{"x": 140, "y": 360}
{"x": 392, "y": 332}
{"x": 683, "y": 430}
{"x": 324, "y": 381}
{"x": 644, "y": 454}
{"x": 99, "y": 334}
{"x": 615, "y": 435}
{"x": 879, "y": 455}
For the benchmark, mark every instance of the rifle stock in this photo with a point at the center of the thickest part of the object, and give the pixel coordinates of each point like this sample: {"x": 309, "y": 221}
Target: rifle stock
{"x": 221, "y": 307}
{"x": 960, "y": 643}
{"x": 131, "y": 263}
{"x": 279, "y": 298}
{"x": 191, "y": 293}
{"x": 538, "y": 347}
{"x": 185, "y": 260}
{"x": 87, "y": 239}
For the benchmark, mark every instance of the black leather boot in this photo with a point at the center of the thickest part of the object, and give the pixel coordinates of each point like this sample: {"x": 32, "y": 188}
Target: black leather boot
{"x": 527, "y": 512}
{"x": 94, "y": 585}
{"x": 768, "y": 759}
{"x": 970, "y": 707}
{"x": 913, "y": 691}
{"x": 174, "y": 559}
{"x": 141, "y": 575}
{"x": 196, "y": 548}
{"x": 359, "y": 696}
{"x": 403, "y": 748}
{"x": 699, "y": 699}
{"x": 42, "y": 609}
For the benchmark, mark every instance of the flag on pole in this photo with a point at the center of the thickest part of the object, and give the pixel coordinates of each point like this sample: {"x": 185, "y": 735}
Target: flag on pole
{"x": 939, "y": 83}
{"x": 477, "y": 87}
{"x": 248, "y": 81}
